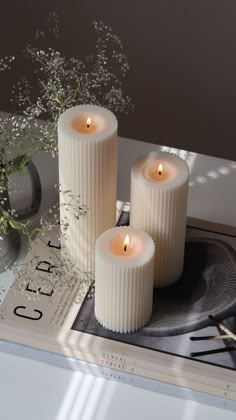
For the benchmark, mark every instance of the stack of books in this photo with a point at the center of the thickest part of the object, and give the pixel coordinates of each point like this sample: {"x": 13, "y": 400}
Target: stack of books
{"x": 188, "y": 347}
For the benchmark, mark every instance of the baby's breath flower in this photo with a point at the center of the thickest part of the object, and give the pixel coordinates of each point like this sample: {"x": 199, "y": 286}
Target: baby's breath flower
{"x": 59, "y": 83}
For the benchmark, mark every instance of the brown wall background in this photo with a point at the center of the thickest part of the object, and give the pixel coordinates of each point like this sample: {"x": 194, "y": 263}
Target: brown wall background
{"x": 182, "y": 55}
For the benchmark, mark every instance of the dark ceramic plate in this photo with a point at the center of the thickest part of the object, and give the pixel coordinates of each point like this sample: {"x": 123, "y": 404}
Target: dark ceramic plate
{"x": 207, "y": 286}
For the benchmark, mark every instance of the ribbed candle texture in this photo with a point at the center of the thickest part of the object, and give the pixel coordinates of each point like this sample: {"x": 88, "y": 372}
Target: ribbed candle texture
{"x": 159, "y": 206}
{"x": 88, "y": 169}
{"x": 124, "y": 284}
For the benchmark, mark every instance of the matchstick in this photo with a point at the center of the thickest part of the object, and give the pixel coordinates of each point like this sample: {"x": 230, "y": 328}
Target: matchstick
{"x": 209, "y": 337}
{"x": 207, "y": 352}
{"x": 223, "y": 328}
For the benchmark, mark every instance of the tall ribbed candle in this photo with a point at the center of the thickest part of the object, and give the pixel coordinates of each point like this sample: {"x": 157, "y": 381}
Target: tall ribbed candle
{"x": 87, "y": 144}
{"x": 159, "y": 191}
{"x": 124, "y": 271}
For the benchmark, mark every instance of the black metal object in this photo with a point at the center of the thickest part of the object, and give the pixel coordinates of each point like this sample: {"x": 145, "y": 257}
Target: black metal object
{"x": 36, "y": 189}
{"x": 10, "y": 243}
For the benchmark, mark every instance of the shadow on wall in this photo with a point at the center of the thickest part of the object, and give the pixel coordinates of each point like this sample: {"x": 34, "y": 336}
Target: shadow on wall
{"x": 182, "y": 58}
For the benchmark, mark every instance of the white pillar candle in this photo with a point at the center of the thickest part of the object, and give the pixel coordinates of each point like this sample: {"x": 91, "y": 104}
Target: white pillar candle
{"x": 159, "y": 191}
{"x": 87, "y": 144}
{"x": 124, "y": 271}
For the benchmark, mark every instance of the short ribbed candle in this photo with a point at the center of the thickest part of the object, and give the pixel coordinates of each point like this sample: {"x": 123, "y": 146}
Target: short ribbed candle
{"x": 87, "y": 143}
{"x": 159, "y": 192}
{"x": 124, "y": 279}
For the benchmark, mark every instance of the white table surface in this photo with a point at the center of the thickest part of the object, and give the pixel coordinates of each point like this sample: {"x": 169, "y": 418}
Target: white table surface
{"x": 31, "y": 390}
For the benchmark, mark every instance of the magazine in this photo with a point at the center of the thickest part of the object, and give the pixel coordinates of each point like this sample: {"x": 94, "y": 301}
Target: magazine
{"x": 44, "y": 306}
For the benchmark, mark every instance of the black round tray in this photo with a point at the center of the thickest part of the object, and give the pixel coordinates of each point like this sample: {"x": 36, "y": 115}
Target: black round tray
{"x": 207, "y": 286}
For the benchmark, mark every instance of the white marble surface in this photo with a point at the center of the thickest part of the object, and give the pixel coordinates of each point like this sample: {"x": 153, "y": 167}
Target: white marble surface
{"x": 30, "y": 390}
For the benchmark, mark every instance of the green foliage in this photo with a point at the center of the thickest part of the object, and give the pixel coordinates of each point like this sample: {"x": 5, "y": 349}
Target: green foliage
{"x": 8, "y": 222}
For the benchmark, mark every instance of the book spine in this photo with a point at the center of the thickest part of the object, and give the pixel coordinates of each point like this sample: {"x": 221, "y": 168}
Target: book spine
{"x": 174, "y": 373}
{"x": 117, "y": 375}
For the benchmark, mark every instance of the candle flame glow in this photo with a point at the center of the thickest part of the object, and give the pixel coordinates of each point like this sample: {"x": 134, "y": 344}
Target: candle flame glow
{"x": 88, "y": 122}
{"x": 126, "y": 243}
{"x": 160, "y": 169}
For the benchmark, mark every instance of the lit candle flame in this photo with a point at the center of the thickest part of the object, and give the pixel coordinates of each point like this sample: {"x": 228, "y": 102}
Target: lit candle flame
{"x": 88, "y": 122}
{"x": 126, "y": 243}
{"x": 160, "y": 169}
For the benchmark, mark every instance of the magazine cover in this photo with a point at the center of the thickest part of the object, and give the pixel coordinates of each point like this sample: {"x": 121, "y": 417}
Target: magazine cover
{"x": 46, "y": 303}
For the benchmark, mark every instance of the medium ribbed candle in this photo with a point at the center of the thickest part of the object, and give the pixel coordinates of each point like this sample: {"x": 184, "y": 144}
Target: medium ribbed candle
{"x": 87, "y": 144}
{"x": 159, "y": 191}
{"x": 124, "y": 270}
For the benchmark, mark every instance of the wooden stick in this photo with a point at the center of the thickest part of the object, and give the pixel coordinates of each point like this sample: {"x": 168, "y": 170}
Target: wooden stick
{"x": 223, "y": 328}
{"x": 207, "y": 352}
{"x": 209, "y": 337}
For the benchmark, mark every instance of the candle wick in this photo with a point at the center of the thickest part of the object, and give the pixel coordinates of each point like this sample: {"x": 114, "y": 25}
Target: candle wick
{"x": 88, "y": 125}
{"x": 159, "y": 172}
{"x": 125, "y": 248}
